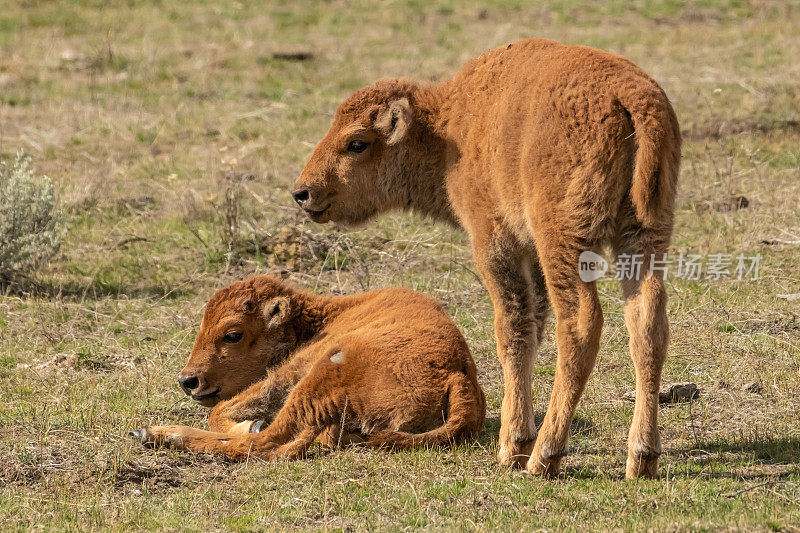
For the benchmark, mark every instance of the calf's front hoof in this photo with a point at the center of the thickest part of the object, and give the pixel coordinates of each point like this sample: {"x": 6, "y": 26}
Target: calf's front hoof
{"x": 140, "y": 435}
{"x": 157, "y": 437}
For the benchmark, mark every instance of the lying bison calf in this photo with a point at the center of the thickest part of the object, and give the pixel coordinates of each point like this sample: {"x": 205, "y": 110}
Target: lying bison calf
{"x": 283, "y": 367}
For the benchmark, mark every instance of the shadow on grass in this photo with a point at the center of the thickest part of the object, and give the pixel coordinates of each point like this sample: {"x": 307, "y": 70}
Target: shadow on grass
{"x": 754, "y": 458}
{"x": 74, "y": 291}
{"x": 761, "y": 449}
{"x": 491, "y": 428}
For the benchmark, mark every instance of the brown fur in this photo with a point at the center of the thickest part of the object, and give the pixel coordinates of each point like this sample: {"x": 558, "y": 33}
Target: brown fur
{"x": 386, "y": 368}
{"x": 539, "y": 151}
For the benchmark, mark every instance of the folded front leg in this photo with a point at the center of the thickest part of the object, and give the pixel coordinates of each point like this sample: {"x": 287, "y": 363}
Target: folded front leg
{"x": 187, "y": 438}
{"x": 337, "y": 437}
{"x": 306, "y": 412}
{"x": 252, "y": 409}
{"x": 236, "y": 447}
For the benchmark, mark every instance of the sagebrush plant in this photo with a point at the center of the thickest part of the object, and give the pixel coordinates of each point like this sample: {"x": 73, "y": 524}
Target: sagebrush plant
{"x": 31, "y": 222}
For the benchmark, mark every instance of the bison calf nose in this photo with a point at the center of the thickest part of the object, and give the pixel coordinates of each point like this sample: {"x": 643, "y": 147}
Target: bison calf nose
{"x": 188, "y": 384}
{"x": 301, "y": 196}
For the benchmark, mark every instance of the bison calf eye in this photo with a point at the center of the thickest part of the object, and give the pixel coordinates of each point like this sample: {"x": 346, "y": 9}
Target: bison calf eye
{"x": 357, "y": 146}
{"x": 232, "y": 338}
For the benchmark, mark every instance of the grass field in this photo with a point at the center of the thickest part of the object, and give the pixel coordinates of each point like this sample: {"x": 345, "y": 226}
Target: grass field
{"x": 173, "y": 132}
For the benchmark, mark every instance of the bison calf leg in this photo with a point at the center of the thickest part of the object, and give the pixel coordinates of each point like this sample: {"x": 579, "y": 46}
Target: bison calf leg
{"x": 259, "y": 402}
{"x": 646, "y": 320}
{"x": 183, "y": 438}
{"x": 305, "y": 414}
{"x": 265, "y": 445}
{"x": 337, "y": 437}
{"x": 516, "y": 286}
{"x": 579, "y": 321}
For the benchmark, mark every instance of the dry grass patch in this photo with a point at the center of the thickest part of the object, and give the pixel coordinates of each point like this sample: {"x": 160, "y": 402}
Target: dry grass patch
{"x": 173, "y": 131}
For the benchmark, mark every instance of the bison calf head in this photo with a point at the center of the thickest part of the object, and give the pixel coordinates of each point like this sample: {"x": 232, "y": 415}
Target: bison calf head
{"x": 353, "y": 172}
{"x": 242, "y": 335}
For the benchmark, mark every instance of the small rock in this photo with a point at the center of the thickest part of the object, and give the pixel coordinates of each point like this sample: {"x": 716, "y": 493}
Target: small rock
{"x": 731, "y": 203}
{"x": 677, "y": 393}
{"x": 70, "y": 55}
{"x": 630, "y": 396}
{"x": 61, "y": 361}
{"x": 752, "y": 387}
{"x": 293, "y": 56}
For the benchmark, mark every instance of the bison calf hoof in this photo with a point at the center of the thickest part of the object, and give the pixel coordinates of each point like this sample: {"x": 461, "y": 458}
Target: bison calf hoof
{"x": 141, "y": 436}
{"x": 515, "y": 454}
{"x": 641, "y": 466}
{"x": 546, "y": 467}
{"x": 157, "y": 437}
{"x": 248, "y": 426}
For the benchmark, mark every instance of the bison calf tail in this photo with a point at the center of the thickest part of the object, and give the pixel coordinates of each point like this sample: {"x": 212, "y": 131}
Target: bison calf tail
{"x": 658, "y": 154}
{"x": 466, "y": 413}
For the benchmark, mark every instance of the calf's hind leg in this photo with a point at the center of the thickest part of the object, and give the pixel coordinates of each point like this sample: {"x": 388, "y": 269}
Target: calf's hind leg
{"x": 579, "y": 321}
{"x": 648, "y": 328}
{"x": 515, "y": 284}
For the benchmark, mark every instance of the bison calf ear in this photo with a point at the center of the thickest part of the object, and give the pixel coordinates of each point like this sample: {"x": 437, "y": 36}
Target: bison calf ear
{"x": 276, "y": 311}
{"x": 394, "y": 122}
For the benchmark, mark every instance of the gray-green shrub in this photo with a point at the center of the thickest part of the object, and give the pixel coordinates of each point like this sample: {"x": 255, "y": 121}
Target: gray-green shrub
{"x": 31, "y": 223}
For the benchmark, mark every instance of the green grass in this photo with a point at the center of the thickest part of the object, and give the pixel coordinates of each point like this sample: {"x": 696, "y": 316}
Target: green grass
{"x": 146, "y": 114}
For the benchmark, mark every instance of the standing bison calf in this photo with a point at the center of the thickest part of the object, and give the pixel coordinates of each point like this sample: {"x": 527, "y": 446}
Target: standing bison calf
{"x": 540, "y": 152}
{"x": 283, "y": 367}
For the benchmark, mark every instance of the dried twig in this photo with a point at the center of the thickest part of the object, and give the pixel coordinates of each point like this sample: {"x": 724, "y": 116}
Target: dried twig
{"x": 754, "y": 487}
